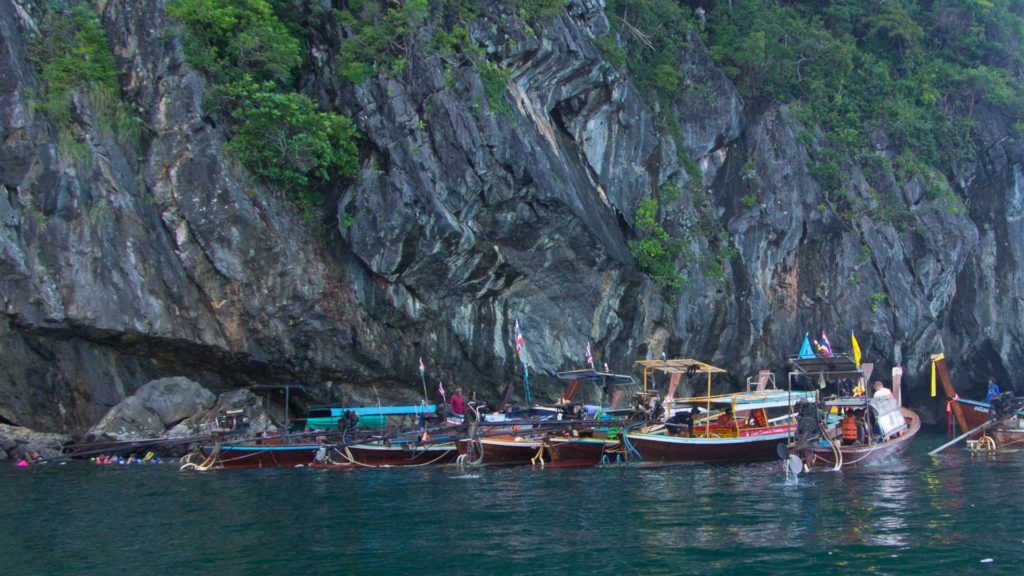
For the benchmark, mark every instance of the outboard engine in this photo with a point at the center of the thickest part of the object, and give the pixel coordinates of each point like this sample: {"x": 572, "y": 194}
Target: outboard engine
{"x": 573, "y": 411}
{"x": 347, "y": 424}
{"x": 229, "y": 421}
{"x": 1004, "y": 404}
{"x": 648, "y": 406}
{"x": 806, "y": 421}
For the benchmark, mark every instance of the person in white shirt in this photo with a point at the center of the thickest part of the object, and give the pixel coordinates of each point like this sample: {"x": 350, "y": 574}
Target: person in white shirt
{"x": 881, "y": 391}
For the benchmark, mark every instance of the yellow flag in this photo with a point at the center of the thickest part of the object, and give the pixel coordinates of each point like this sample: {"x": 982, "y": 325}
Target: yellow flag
{"x": 933, "y": 378}
{"x": 856, "y": 349}
{"x": 935, "y": 358}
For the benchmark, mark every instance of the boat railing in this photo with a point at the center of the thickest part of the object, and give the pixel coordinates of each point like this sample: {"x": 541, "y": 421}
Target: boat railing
{"x": 764, "y": 380}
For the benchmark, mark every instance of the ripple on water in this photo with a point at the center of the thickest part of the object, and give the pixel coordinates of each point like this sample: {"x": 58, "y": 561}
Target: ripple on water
{"x": 918, "y": 514}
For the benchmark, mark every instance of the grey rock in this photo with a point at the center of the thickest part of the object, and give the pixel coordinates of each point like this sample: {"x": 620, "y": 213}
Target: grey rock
{"x": 16, "y": 442}
{"x": 202, "y": 422}
{"x": 155, "y": 407}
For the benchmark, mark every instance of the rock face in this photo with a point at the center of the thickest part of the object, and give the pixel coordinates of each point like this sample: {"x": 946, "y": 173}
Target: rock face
{"x": 154, "y": 408}
{"x": 17, "y": 442}
{"x": 165, "y": 258}
{"x": 199, "y": 423}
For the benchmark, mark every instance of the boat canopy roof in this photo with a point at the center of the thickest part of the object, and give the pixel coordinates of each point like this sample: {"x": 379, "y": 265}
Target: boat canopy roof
{"x": 753, "y": 400}
{"x": 838, "y": 366}
{"x": 680, "y": 366}
{"x": 335, "y": 411}
{"x": 590, "y": 375}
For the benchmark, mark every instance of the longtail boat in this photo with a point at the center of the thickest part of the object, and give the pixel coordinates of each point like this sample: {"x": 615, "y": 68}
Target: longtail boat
{"x": 1002, "y": 415}
{"x": 588, "y": 445}
{"x": 880, "y": 427}
{"x": 336, "y": 436}
{"x": 566, "y": 433}
{"x": 736, "y": 427}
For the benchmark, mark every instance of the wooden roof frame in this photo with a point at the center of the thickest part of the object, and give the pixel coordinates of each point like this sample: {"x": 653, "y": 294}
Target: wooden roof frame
{"x": 680, "y": 366}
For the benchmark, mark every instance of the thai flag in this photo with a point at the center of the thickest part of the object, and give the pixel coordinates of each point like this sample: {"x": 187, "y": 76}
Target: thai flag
{"x": 422, "y": 368}
{"x": 826, "y": 346}
{"x": 519, "y": 339}
{"x": 590, "y": 356}
{"x": 440, "y": 389}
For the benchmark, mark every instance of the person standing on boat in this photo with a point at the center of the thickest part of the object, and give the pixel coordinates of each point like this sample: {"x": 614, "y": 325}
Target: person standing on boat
{"x": 458, "y": 403}
{"x": 993, "y": 389}
{"x": 881, "y": 391}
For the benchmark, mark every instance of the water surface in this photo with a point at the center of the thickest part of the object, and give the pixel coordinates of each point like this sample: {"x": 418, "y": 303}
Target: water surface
{"x": 958, "y": 513}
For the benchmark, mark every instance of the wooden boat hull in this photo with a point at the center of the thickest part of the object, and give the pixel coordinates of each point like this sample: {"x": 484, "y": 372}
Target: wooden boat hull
{"x": 263, "y": 456}
{"x": 820, "y": 457}
{"x": 376, "y": 455}
{"x": 507, "y": 449}
{"x": 366, "y": 455}
{"x": 975, "y": 414}
{"x": 757, "y": 447}
{"x": 1009, "y": 435}
{"x": 569, "y": 452}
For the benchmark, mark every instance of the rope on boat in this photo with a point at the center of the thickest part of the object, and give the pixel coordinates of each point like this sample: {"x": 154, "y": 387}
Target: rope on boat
{"x": 474, "y": 446}
{"x": 837, "y": 453}
{"x": 539, "y": 457}
{"x": 631, "y": 451}
{"x": 205, "y": 465}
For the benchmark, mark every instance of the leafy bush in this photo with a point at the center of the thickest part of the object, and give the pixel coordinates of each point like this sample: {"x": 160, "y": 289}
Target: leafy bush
{"x": 284, "y": 138}
{"x": 654, "y": 251}
{"x": 379, "y": 36}
{"x": 495, "y": 80}
{"x": 653, "y": 35}
{"x": 227, "y": 36}
{"x": 72, "y": 54}
{"x": 250, "y": 56}
{"x": 915, "y": 70}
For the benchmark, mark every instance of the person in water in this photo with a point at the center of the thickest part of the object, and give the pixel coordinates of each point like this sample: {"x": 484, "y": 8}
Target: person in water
{"x": 992, "y": 390}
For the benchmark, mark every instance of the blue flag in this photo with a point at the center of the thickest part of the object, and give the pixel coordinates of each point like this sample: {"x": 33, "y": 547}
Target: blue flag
{"x": 805, "y": 349}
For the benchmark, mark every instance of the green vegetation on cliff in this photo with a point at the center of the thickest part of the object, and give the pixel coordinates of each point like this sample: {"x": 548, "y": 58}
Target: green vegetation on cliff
{"x": 915, "y": 72}
{"x": 889, "y": 89}
{"x": 250, "y": 56}
{"x": 73, "y": 56}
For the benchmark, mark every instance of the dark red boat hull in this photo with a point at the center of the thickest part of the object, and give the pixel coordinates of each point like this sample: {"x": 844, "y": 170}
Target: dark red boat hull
{"x": 753, "y": 448}
{"x": 507, "y": 450}
{"x": 373, "y": 455}
{"x": 570, "y": 452}
{"x": 263, "y": 456}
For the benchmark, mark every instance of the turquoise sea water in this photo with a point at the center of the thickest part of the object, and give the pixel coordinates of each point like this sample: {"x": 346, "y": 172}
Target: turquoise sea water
{"x": 956, "y": 514}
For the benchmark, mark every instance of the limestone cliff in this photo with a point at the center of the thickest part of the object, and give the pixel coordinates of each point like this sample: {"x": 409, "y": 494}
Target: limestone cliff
{"x": 166, "y": 257}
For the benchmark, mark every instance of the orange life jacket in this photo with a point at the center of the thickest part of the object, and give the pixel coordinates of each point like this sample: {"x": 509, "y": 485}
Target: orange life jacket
{"x": 849, "y": 428}
{"x": 759, "y": 418}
